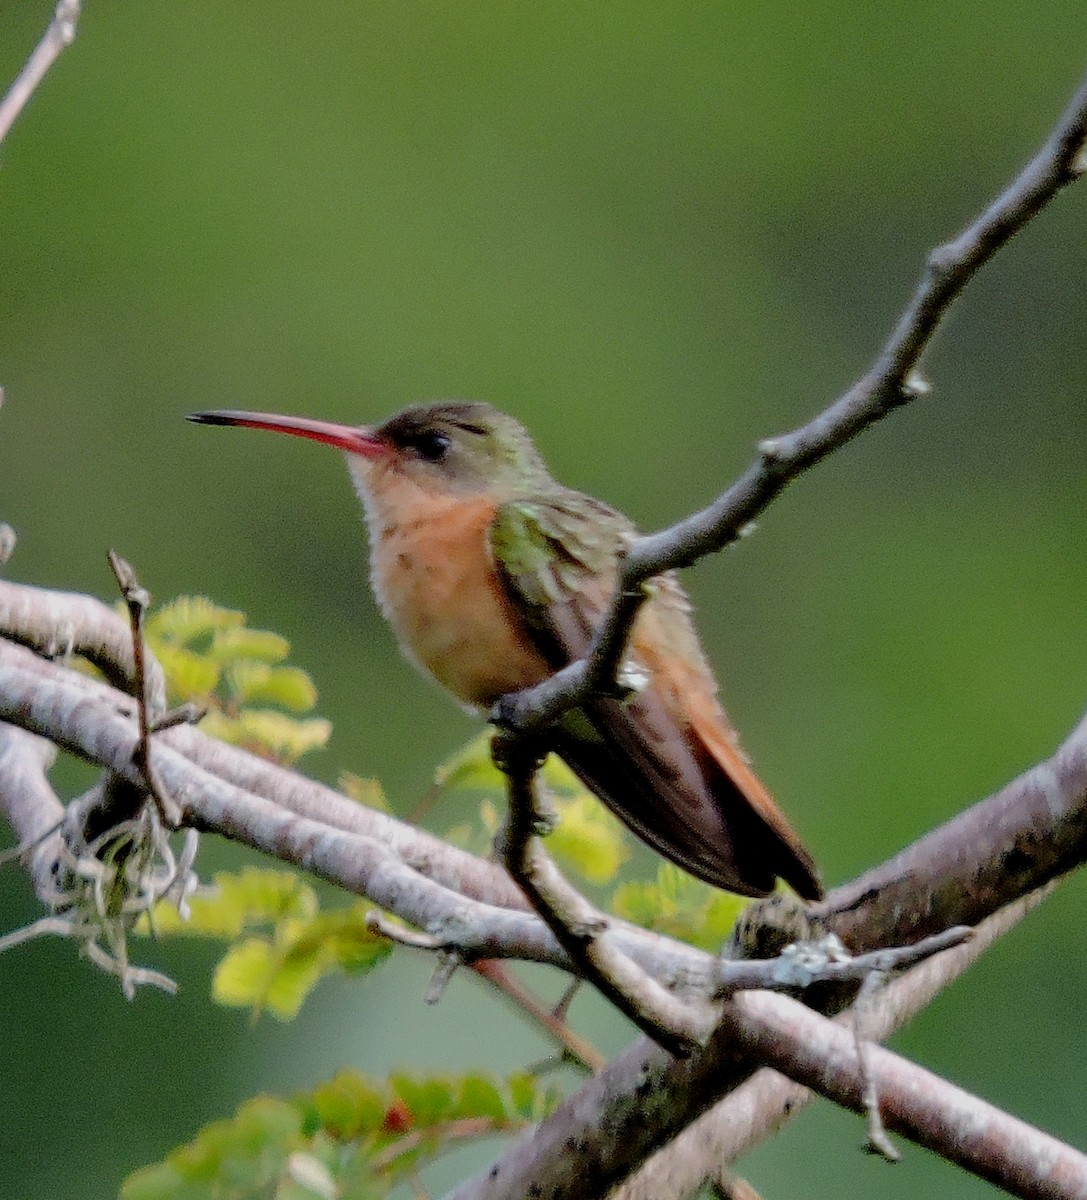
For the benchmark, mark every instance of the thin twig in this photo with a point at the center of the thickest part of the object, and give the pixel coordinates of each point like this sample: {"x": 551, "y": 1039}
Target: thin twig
{"x": 61, "y": 33}
{"x": 577, "y": 926}
{"x": 890, "y": 383}
{"x": 137, "y": 601}
{"x": 827, "y": 961}
{"x": 575, "y": 1048}
{"x": 878, "y": 1140}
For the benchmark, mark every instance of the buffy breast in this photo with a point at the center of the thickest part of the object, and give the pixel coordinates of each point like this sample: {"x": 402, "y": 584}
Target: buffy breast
{"x": 435, "y": 581}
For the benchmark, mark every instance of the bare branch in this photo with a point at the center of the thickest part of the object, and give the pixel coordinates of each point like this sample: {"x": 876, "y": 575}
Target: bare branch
{"x": 437, "y": 884}
{"x": 30, "y": 805}
{"x": 61, "y": 33}
{"x": 890, "y": 383}
{"x": 58, "y": 624}
{"x": 137, "y": 600}
{"x": 577, "y": 926}
{"x": 643, "y": 1099}
{"x": 802, "y": 964}
{"x": 1029, "y": 832}
{"x": 925, "y": 1108}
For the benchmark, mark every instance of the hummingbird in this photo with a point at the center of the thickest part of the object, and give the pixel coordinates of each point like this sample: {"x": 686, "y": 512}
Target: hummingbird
{"x": 493, "y": 576}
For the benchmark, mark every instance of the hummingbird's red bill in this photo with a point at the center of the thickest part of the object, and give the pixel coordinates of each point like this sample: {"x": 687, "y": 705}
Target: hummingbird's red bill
{"x": 356, "y": 439}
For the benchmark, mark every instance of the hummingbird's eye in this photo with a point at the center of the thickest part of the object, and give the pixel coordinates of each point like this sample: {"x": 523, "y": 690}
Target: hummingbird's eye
{"x": 431, "y": 445}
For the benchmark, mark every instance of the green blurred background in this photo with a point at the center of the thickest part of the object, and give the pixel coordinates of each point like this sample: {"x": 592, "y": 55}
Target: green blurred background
{"x": 656, "y": 232}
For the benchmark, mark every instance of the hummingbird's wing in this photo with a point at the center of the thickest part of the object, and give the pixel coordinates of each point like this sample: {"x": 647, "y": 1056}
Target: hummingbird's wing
{"x": 666, "y": 760}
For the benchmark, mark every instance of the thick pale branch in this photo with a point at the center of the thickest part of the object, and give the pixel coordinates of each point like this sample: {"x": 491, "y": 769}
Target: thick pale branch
{"x": 83, "y": 716}
{"x": 1033, "y": 830}
{"x": 29, "y": 803}
{"x": 1029, "y": 832}
{"x": 58, "y": 624}
{"x": 925, "y": 1108}
{"x": 759, "y": 1107}
{"x": 642, "y": 1099}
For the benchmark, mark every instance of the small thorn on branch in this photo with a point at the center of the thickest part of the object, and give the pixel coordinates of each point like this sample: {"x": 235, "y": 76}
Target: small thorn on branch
{"x": 379, "y": 923}
{"x": 1079, "y": 162}
{"x": 444, "y": 970}
{"x": 7, "y": 542}
{"x": 915, "y": 385}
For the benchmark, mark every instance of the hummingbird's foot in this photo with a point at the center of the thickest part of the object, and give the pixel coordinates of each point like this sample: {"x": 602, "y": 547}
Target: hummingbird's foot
{"x": 517, "y": 753}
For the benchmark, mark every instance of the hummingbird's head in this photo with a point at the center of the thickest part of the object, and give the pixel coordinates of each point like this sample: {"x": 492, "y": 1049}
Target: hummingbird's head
{"x": 441, "y": 450}
{"x": 463, "y": 448}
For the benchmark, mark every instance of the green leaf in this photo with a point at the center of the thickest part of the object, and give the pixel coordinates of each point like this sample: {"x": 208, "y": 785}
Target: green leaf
{"x": 257, "y": 682}
{"x": 236, "y": 901}
{"x": 365, "y": 791}
{"x": 588, "y": 838}
{"x": 471, "y": 767}
{"x": 637, "y": 901}
{"x": 229, "y": 645}
{"x": 680, "y": 906}
{"x": 428, "y": 1100}
{"x": 268, "y": 732}
{"x": 342, "y": 937}
{"x": 348, "y": 1105}
{"x": 161, "y": 1181}
{"x": 352, "y": 1138}
{"x": 277, "y": 975}
{"x": 477, "y": 1096}
{"x": 244, "y": 976}
{"x": 188, "y": 674}
{"x": 188, "y": 618}
{"x": 524, "y": 1095}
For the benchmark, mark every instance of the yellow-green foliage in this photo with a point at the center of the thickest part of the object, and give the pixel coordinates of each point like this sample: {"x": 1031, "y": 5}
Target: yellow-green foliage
{"x": 353, "y": 1137}
{"x": 680, "y": 906}
{"x": 587, "y": 838}
{"x": 283, "y": 944}
{"x": 364, "y": 790}
{"x": 210, "y": 656}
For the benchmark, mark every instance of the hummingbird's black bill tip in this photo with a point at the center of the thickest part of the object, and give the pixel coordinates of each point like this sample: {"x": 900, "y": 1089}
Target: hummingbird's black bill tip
{"x": 213, "y": 418}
